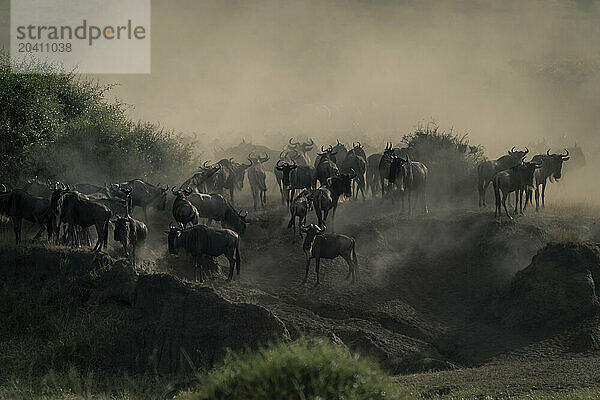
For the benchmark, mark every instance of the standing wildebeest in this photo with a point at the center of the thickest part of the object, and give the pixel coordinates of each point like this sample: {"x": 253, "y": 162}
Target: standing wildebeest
{"x": 199, "y": 240}
{"x": 257, "y": 177}
{"x": 516, "y": 179}
{"x": 76, "y": 209}
{"x": 198, "y": 181}
{"x": 283, "y": 170}
{"x": 214, "y": 207}
{"x": 294, "y": 177}
{"x": 144, "y": 195}
{"x": 326, "y": 168}
{"x": 285, "y": 157}
{"x": 355, "y": 161}
{"x": 486, "y": 170}
{"x": 184, "y": 211}
{"x": 302, "y": 149}
{"x": 131, "y": 233}
{"x": 551, "y": 169}
{"x": 299, "y": 208}
{"x": 412, "y": 177}
{"x": 319, "y": 244}
{"x": 326, "y": 198}
{"x": 372, "y": 173}
{"x": 229, "y": 176}
{"x": 19, "y": 205}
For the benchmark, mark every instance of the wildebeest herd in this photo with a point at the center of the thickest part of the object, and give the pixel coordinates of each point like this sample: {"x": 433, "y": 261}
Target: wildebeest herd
{"x": 337, "y": 171}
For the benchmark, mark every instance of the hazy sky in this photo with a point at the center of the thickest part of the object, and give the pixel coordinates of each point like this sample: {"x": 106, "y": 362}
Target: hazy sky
{"x": 505, "y": 72}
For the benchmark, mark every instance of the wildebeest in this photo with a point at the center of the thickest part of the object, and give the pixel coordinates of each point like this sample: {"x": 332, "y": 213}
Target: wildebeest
{"x": 551, "y": 169}
{"x": 294, "y": 177}
{"x": 412, "y": 177}
{"x": 144, "y": 195}
{"x": 131, "y": 233}
{"x": 372, "y": 173}
{"x": 19, "y": 205}
{"x": 184, "y": 211}
{"x": 318, "y": 244}
{"x": 76, "y": 209}
{"x": 299, "y": 209}
{"x": 355, "y": 161}
{"x": 326, "y": 198}
{"x": 3, "y": 188}
{"x": 515, "y": 179}
{"x": 200, "y": 240}
{"x": 327, "y": 167}
{"x": 282, "y": 174}
{"x": 198, "y": 181}
{"x": 230, "y": 176}
{"x": 486, "y": 170}
{"x": 215, "y": 207}
{"x": 257, "y": 179}
{"x": 302, "y": 149}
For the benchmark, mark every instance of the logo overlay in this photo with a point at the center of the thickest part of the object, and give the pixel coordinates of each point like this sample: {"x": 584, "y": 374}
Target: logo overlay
{"x": 85, "y": 36}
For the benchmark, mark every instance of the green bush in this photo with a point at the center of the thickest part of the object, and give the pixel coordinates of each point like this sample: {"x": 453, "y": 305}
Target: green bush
{"x": 61, "y": 126}
{"x": 450, "y": 159}
{"x": 301, "y": 370}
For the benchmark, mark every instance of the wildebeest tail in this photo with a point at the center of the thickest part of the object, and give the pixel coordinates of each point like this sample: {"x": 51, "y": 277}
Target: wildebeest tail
{"x": 354, "y": 258}
{"x": 237, "y": 256}
{"x": 105, "y": 233}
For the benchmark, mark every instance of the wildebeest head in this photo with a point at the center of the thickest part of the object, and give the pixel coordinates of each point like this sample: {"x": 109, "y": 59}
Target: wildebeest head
{"x": 286, "y": 168}
{"x": 517, "y": 154}
{"x": 554, "y": 163}
{"x": 174, "y": 233}
{"x": 58, "y": 190}
{"x": 235, "y": 220}
{"x": 342, "y": 183}
{"x": 181, "y": 193}
{"x": 308, "y": 145}
{"x": 311, "y": 231}
{"x": 239, "y": 171}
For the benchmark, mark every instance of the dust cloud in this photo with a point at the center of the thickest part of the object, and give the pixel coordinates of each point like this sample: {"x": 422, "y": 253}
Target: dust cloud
{"x": 505, "y": 73}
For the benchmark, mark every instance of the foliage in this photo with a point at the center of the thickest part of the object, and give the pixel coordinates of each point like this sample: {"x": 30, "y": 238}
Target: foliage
{"x": 61, "y": 126}
{"x": 300, "y": 370}
{"x": 450, "y": 159}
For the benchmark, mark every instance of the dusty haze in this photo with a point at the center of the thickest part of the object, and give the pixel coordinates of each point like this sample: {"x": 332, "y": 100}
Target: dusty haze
{"x": 501, "y": 72}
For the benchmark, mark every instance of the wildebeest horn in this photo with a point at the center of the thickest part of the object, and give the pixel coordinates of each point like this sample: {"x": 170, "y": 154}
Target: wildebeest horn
{"x": 526, "y": 150}
{"x": 173, "y": 191}
{"x": 512, "y": 150}
{"x": 565, "y": 157}
{"x": 243, "y": 216}
{"x": 548, "y": 152}
{"x": 312, "y": 142}
{"x": 205, "y": 162}
{"x": 280, "y": 164}
{"x": 281, "y": 156}
{"x": 265, "y": 158}
{"x": 322, "y": 149}
{"x": 294, "y": 161}
{"x": 172, "y": 226}
{"x": 292, "y": 143}
{"x": 359, "y": 145}
{"x": 338, "y": 141}
{"x": 352, "y": 173}
{"x": 165, "y": 188}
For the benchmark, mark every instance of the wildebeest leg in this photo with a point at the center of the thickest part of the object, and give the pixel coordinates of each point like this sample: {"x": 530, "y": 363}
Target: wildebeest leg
{"x": 99, "y": 232}
{"x": 307, "y": 267}
{"x": 231, "y": 195}
{"x": 198, "y": 260}
{"x": 17, "y": 229}
{"x": 382, "y": 188}
{"x": 317, "y": 266}
{"x": 231, "y": 259}
{"x": 348, "y": 260}
{"x": 504, "y": 196}
{"x": 254, "y": 197}
{"x": 537, "y": 198}
{"x": 543, "y": 195}
{"x": 516, "y": 201}
{"x": 37, "y": 235}
{"x": 484, "y": 190}
{"x": 319, "y": 213}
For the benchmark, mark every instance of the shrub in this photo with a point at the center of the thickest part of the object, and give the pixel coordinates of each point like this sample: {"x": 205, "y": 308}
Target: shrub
{"x": 301, "y": 370}
{"x": 61, "y": 126}
{"x": 450, "y": 159}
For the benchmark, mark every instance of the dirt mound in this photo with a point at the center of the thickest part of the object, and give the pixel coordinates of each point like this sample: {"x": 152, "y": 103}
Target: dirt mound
{"x": 559, "y": 286}
{"x": 171, "y": 326}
